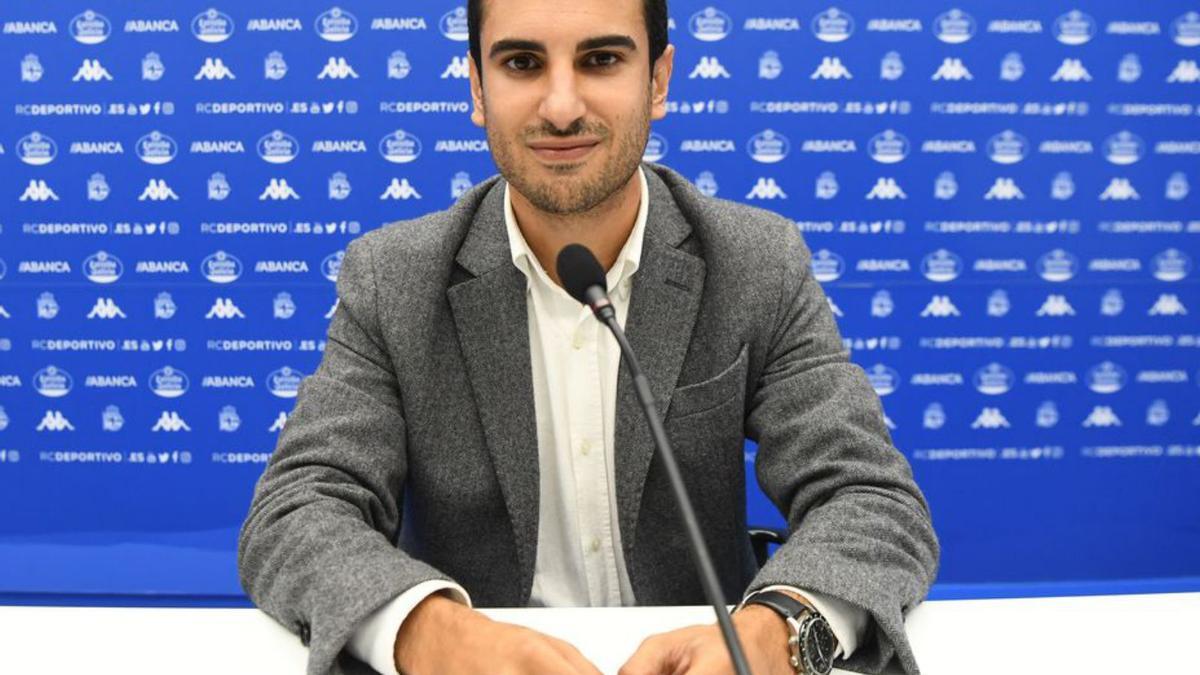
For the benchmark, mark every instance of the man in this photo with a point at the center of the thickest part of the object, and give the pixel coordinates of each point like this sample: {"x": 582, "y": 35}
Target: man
{"x": 470, "y": 439}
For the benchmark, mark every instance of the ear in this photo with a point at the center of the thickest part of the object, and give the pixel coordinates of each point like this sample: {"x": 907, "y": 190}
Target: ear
{"x": 660, "y": 82}
{"x": 477, "y": 112}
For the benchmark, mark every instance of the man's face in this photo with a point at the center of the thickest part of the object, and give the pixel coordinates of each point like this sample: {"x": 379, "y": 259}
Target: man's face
{"x": 567, "y": 96}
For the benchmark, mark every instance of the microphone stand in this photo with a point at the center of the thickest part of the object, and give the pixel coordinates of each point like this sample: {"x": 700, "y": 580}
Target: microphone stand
{"x": 607, "y": 315}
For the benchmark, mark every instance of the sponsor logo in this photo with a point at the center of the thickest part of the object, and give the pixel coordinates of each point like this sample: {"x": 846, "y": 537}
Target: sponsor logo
{"x": 336, "y": 25}
{"x": 1185, "y": 30}
{"x": 37, "y": 149}
{"x": 284, "y": 24}
{"x": 53, "y": 382}
{"x": 106, "y": 308}
{"x": 833, "y": 25}
{"x": 941, "y": 266}
{"x": 212, "y": 26}
{"x": 1106, "y": 378}
{"x": 940, "y": 306}
{"x": 883, "y": 380}
{"x": 766, "y": 188}
{"x": 994, "y": 379}
{"x": 1007, "y": 147}
{"x": 1186, "y": 71}
{"x": 710, "y": 25}
{"x": 1004, "y": 189}
{"x": 888, "y": 147}
{"x": 280, "y": 421}
{"x": 170, "y": 422}
{"x": 169, "y": 382}
{"x": 224, "y": 308}
{"x": 91, "y": 70}
{"x": 30, "y": 28}
{"x": 954, "y": 27}
{"x": 886, "y": 188}
{"x": 277, "y": 189}
{"x": 1071, "y": 70}
{"x": 214, "y": 69}
{"x": 768, "y": 147}
{"x": 221, "y": 268}
{"x": 1119, "y": 189}
{"x": 400, "y": 189}
{"x": 708, "y": 68}
{"x": 285, "y": 382}
{"x": 38, "y": 191}
{"x": 400, "y": 147}
{"x": 90, "y": 28}
{"x": 458, "y": 69}
{"x": 656, "y": 148}
{"x": 1102, "y": 416}
{"x": 278, "y": 147}
{"x": 952, "y": 69}
{"x": 1167, "y": 304}
{"x": 331, "y": 266}
{"x": 453, "y": 25}
{"x": 102, "y": 268}
{"x": 827, "y": 265}
{"x": 337, "y": 68}
{"x": 1171, "y": 265}
{"x": 156, "y": 148}
{"x": 1074, "y": 28}
{"x": 54, "y": 420}
{"x": 990, "y": 418}
{"x": 157, "y": 190}
{"x": 1124, "y": 148}
{"x": 1058, "y": 266}
{"x": 1056, "y": 305}
{"x": 831, "y": 68}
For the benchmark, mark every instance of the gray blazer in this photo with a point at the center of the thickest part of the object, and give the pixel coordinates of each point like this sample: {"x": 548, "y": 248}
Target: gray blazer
{"x": 412, "y": 450}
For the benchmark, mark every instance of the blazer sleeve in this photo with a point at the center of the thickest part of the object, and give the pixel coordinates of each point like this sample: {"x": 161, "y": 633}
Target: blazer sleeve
{"x": 859, "y": 528}
{"x": 316, "y": 551}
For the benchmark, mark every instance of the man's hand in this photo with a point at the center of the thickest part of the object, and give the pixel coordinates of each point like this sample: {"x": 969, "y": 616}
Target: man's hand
{"x": 444, "y": 636}
{"x": 700, "y": 650}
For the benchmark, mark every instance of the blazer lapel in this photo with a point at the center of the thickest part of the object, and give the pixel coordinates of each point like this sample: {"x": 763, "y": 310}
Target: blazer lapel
{"x": 663, "y": 306}
{"x": 492, "y": 321}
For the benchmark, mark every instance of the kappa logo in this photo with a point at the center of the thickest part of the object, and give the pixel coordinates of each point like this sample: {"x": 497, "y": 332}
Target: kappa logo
{"x": 332, "y": 309}
{"x": 1004, "y": 189}
{"x": 952, "y": 69}
{"x": 831, "y": 68}
{"x": 459, "y": 69}
{"x": 157, "y": 190}
{"x": 770, "y": 66}
{"x": 278, "y": 190}
{"x": 710, "y": 25}
{"x": 336, "y": 25}
{"x": 453, "y": 24}
{"x": 833, "y": 25}
{"x": 1071, "y": 70}
{"x": 212, "y": 26}
{"x": 214, "y": 69}
{"x": 1056, "y": 305}
{"x": 940, "y": 306}
{"x": 1119, "y": 189}
{"x": 106, "y": 308}
{"x": 339, "y": 186}
{"x": 228, "y": 419}
{"x": 37, "y": 149}
{"x": 827, "y": 186}
{"x": 91, "y": 70}
{"x": 280, "y": 420}
{"x": 834, "y": 309}
{"x": 1012, "y": 67}
{"x": 4, "y": 313}
{"x": 31, "y": 68}
{"x": 337, "y": 68}
{"x": 224, "y": 308}
{"x": 55, "y": 420}
{"x": 90, "y": 28}
{"x": 886, "y": 188}
{"x": 990, "y": 418}
{"x": 400, "y": 189}
{"x": 170, "y": 422}
{"x": 1168, "y": 304}
{"x": 709, "y": 68}
{"x": 38, "y": 191}
{"x": 891, "y": 66}
{"x": 1186, "y": 71}
{"x": 97, "y": 188}
{"x": 954, "y": 27}
{"x": 766, "y": 188}
{"x": 152, "y": 67}
{"x": 1102, "y": 416}
{"x": 398, "y": 66}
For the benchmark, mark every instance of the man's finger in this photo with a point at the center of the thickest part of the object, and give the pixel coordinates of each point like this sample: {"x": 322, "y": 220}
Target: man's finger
{"x": 650, "y": 658}
{"x": 574, "y": 657}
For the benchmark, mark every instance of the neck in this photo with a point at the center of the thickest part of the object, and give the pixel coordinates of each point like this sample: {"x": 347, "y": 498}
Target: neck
{"x": 604, "y": 229}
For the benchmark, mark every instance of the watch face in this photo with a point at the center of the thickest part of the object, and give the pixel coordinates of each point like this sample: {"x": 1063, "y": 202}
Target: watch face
{"x": 819, "y": 643}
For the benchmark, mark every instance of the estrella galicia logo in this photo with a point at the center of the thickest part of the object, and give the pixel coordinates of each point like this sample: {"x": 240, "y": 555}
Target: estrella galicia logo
{"x": 454, "y": 24}
{"x": 336, "y": 25}
{"x": 53, "y": 382}
{"x": 833, "y": 25}
{"x": 37, "y": 149}
{"x": 1172, "y": 265}
{"x": 400, "y": 147}
{"x": 954, "y": 27}
{"x": 221, "y": 268}
{"x": 1057, "y": 266}
{"x": 656, "y": 148}
{"x": 827, "y": 265}
{"x": 285, "y": 382}
{"x": 1007, "y": 147}
{"x": 102, "y": 267}
{"x": 994, "y": 379}
{"x": 1074, "y": 28}
{"x": 1124, "y": 148}
{"x": 169, "y": 382}
{"x": 90, "y": 28}
{"x": 331, "y": 266}
{"x": 212, "y": 26}
{"x": 710, "y": 25}
{"x": 941, "y": 266}
{"x": 1186, "y": 30}
{"x": 883, "y": 380}
{"x": 768, "y": 146}
{"x": 888, "y": 147}
{"x": 1106, "y": 378}
{"x": 156, "y": 148}
{"x": 278, "y": 147}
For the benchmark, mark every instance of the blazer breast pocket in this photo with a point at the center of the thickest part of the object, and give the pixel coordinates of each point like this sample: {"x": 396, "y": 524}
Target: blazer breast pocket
{"x": 713, "y": 392}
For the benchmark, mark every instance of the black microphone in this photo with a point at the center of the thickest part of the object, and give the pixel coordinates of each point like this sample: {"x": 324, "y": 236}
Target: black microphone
{"x": 583, "y": 278}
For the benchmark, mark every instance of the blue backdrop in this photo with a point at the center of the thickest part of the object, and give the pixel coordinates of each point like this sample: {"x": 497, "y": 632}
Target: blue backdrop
{"x": 999, "y": 199}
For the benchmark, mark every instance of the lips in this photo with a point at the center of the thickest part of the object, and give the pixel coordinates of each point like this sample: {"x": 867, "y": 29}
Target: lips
{"x": 563, "y": 150}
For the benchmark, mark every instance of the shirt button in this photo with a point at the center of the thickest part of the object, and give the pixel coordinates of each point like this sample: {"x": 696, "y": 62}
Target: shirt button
{"x": 595, "y": 544}
{"x": 577, "y": 340}
{"x": 585, "y": 447}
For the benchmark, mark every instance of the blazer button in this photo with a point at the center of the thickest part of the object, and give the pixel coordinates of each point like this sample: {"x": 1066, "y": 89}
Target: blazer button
{"x": 305, "y": 633}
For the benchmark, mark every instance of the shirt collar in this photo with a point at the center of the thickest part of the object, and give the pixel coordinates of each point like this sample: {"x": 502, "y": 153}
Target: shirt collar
{"x": 618, "y": 277}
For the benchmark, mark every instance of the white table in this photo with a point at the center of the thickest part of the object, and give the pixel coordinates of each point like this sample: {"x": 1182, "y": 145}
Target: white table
{"x": 1081, "y": 635}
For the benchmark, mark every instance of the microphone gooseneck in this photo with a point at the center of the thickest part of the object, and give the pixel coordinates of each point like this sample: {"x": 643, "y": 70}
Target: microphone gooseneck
{"x": 583, "y": 278}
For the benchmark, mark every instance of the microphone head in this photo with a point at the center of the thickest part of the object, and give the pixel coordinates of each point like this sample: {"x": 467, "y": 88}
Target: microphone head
{"x": 578, "y": 270}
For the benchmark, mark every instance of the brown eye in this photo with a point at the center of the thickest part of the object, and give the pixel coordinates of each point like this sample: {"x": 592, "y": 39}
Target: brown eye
{"x": 605, "y": 59}
{"x": 521, "y": 62}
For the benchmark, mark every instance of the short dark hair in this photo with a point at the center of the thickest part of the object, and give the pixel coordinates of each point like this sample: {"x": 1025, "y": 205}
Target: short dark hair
{"x": 654, "y": 11}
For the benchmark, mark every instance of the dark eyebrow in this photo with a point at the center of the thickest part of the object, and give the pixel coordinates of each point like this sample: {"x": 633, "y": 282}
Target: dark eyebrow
{"x": 515, "y": 44}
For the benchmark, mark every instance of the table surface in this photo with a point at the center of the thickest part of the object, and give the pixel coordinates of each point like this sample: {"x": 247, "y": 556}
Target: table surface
{"x": 1145, "y": 634}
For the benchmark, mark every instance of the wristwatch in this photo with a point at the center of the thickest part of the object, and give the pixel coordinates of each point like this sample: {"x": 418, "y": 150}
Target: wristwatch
{"x": 812, "y": 642}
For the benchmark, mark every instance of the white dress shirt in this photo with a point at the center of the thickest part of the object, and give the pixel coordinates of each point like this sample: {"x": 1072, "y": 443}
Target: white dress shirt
{"x": 574, "y": 365}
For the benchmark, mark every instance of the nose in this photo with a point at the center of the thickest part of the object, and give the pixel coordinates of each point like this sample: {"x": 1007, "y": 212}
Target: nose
{"x": 562, "y": 104}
